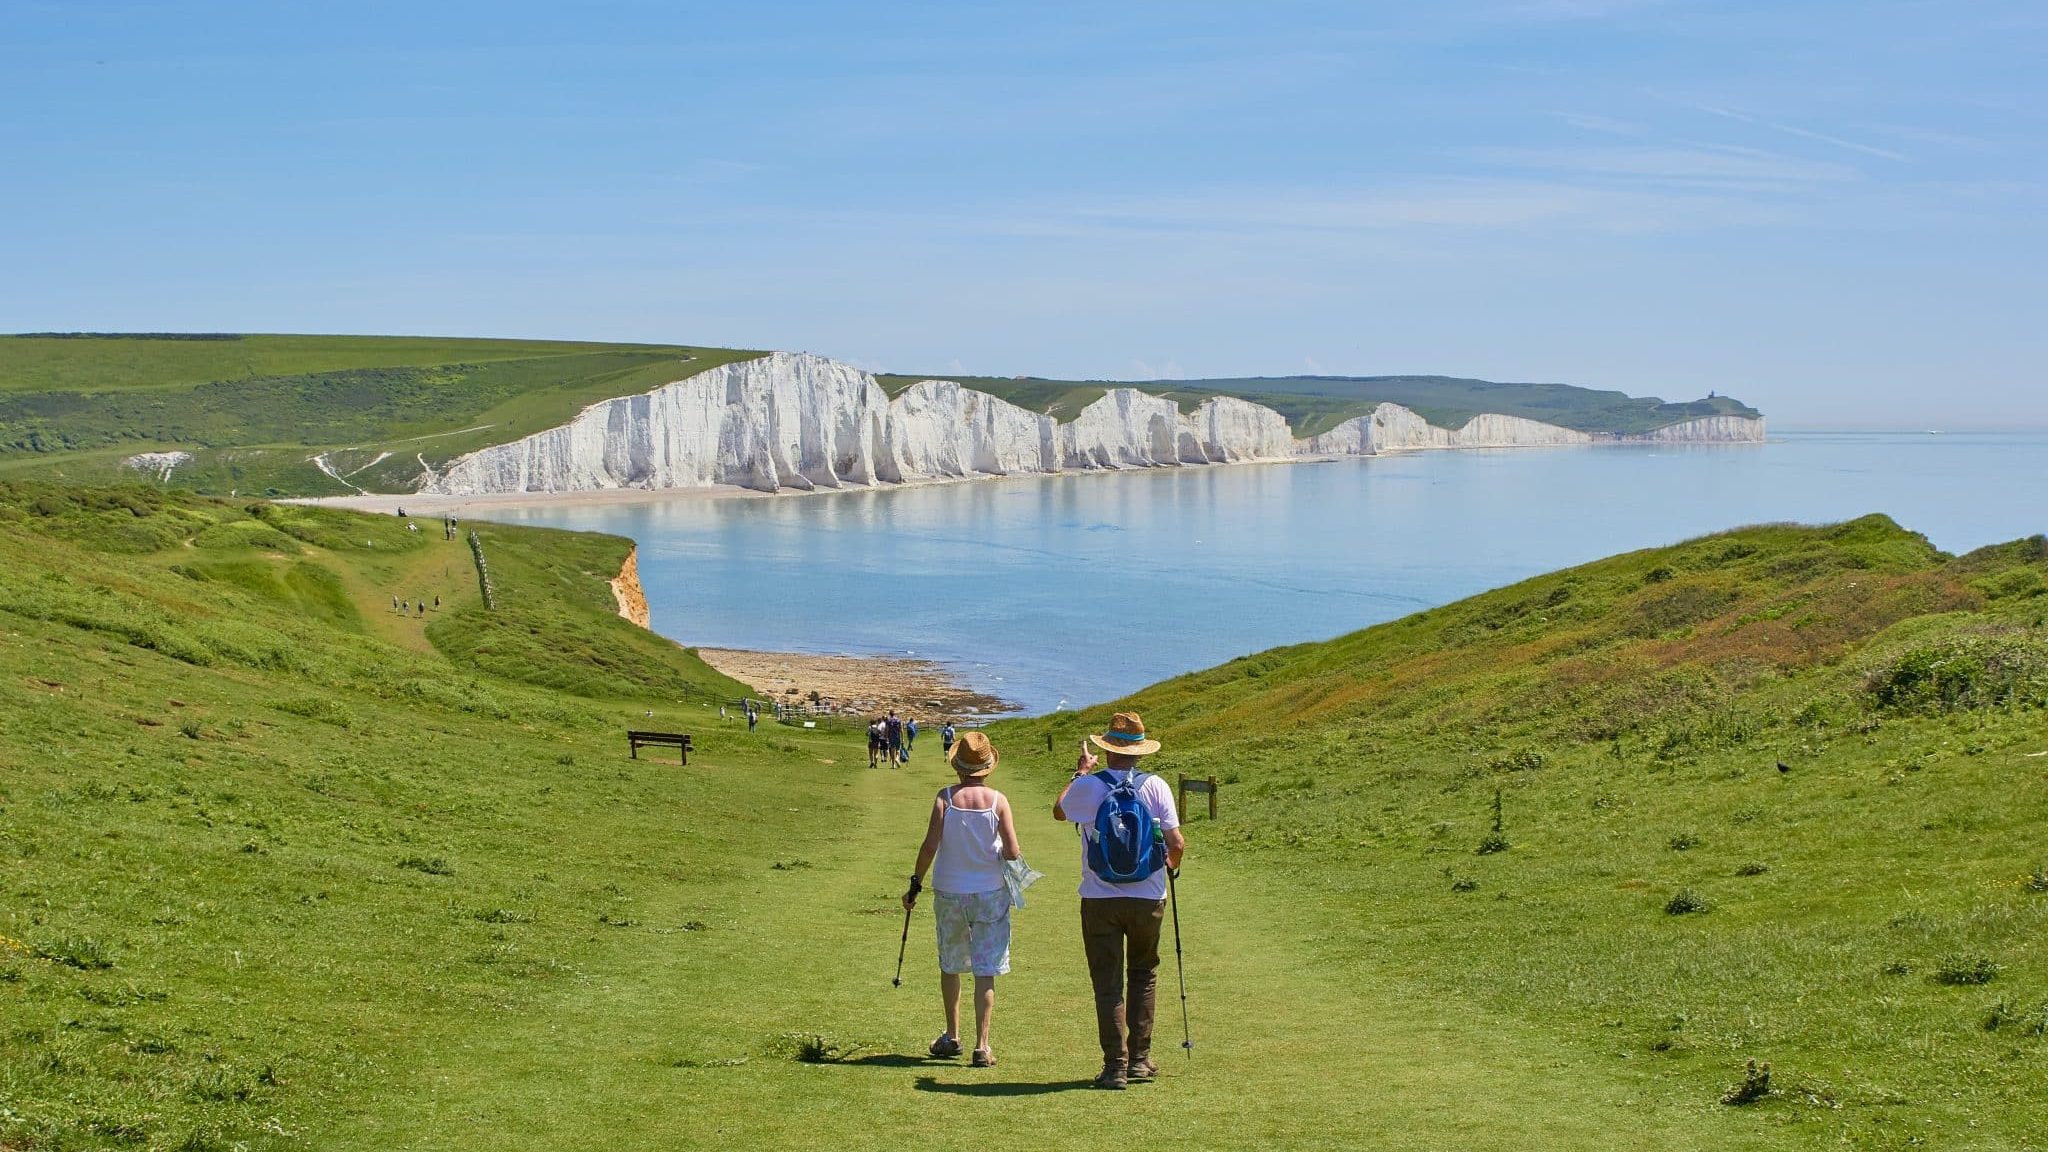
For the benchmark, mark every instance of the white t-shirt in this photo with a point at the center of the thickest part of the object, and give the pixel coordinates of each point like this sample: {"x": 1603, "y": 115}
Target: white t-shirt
{"x": 1084, "y": 797}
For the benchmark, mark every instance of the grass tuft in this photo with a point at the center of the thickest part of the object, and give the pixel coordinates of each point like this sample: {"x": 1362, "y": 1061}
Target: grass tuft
{"x": 1965, "y": 969}
{"x": 1684, "y": 902}
{"x": 1755, "y": 1085}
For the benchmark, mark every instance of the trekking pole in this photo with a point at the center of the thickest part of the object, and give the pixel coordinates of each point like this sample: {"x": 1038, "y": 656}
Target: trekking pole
{"x": 901, "y": 949}
{"x": 1187, "y": 1039}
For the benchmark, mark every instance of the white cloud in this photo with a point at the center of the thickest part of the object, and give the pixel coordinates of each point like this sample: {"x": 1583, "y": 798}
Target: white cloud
{"x": 1697, "y": 164}
{"x": 1788, "y": 129}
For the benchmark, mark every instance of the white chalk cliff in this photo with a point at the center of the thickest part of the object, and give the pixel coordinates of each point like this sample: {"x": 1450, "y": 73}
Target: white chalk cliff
{"x": 794, "y": 420}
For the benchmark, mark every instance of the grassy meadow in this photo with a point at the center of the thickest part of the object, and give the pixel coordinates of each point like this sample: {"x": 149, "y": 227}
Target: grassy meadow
{"x": 283, "y": 867}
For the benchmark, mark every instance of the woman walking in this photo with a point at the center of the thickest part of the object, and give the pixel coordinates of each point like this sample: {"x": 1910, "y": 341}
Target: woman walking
{"x": 970, "y": 835}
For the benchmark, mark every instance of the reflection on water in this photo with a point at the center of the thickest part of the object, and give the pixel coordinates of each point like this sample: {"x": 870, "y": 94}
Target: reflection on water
{"x": 1081, "y": 588}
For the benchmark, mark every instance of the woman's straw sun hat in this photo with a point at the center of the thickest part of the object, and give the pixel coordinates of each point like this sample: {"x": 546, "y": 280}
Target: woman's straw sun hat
{"x": 1126, "y": 736}
{"x": 973, "y": 755}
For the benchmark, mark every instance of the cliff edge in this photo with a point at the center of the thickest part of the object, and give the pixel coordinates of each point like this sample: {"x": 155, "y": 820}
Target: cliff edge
{"x": 793, "y": 420}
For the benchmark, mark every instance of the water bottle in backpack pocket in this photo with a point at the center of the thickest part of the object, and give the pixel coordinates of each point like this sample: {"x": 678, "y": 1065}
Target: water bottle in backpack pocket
{"x": 1124, "y": 846}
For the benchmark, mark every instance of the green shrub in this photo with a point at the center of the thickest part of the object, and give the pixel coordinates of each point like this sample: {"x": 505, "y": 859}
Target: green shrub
{"x": 1968, "y": 672}
{"x": 1684, "y": 902}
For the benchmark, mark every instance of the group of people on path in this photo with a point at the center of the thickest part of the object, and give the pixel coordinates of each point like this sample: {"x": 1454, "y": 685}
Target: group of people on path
{"x": 1131, "y": 847}
{"x": 890, "y": 739}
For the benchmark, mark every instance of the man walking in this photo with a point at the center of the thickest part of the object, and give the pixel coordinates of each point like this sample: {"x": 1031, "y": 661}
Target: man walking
{"x": 1131, "y": 838}
{"x": 892, "y": 736}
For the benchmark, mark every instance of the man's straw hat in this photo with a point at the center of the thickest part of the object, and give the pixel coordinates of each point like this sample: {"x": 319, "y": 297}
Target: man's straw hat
{"x": 973, "y": 755}
{"x": 1126, "y": 736}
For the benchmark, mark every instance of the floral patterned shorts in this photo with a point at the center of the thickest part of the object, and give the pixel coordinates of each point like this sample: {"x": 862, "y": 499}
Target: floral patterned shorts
{"x": 974, "y": 932}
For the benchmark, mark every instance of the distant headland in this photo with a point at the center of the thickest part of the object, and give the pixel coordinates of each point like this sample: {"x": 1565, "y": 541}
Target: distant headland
{"x": 308, "y": 416}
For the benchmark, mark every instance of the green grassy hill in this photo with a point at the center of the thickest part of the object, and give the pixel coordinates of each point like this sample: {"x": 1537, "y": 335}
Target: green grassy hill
{"x": 1315, "y": 404}
{"x": 1772, "y": 794}
{"x": 255, "y": 410}
{"x": 282, "y": 867}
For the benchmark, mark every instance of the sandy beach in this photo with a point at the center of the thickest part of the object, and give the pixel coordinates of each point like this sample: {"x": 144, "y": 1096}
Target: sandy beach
{"x": 864, "y": 685}
{"x": 480, "y": 506}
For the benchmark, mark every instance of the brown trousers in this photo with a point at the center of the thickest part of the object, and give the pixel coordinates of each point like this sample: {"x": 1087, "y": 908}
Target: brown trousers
{"x": 1121, "y": 935}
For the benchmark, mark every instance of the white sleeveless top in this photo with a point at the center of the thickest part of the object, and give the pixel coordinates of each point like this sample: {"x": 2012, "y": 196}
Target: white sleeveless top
{"x": 970, "y": 858}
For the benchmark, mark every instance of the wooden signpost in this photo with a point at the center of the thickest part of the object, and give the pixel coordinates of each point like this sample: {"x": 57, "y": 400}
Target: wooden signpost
{"x": 1198, "y": 787}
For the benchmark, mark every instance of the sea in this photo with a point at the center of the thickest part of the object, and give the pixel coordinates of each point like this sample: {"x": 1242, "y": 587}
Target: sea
{"x": 1055, "y": 592}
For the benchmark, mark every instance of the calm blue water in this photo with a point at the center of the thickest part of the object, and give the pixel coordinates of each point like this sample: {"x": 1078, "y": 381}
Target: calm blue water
{"x": 1078, "y": 589}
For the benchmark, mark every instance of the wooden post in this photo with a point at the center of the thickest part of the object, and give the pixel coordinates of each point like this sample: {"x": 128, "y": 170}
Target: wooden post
{"x": 1196, "y": 786}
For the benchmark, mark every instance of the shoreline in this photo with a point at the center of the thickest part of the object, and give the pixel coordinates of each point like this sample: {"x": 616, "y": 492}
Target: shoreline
{"x": 842, "y": 684}
{"x": 859, "y": 685}
{"x": 479, "y": 505}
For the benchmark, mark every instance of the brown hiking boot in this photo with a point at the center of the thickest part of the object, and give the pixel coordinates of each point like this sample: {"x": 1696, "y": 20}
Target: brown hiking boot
{"x": 1113, "y": 1076}
{"x": 1143, "y": 1070}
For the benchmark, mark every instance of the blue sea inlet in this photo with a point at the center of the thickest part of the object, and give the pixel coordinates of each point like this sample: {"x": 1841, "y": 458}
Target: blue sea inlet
{"x": 1068, "y": 590}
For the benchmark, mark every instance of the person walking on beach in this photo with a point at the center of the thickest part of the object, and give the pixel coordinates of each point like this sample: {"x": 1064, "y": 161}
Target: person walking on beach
{"x": 1121, "y": 919}
{"x": 970, "y": 834}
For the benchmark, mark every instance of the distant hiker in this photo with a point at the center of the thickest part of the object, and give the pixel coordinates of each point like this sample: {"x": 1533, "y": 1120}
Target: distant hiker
{"x": 946, "y": 737}
{"x": 394, "y": 603}
{"x": 1123, "y": 888}
{"x": 437, "y": 601}
{"x": 892, "y": 735}
{"x": 970, "y": 834}
{"x": 753, "y": 715}
{"x": 721, "y": 711}
{"x": 877, "y": 740}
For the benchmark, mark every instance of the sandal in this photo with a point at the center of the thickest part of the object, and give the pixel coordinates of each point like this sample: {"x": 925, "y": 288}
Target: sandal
{"x": 946, "y": 1047}
{"x": 983, "y": 1058}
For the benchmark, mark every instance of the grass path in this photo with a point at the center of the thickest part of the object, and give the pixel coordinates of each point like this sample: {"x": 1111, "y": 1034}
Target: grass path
{"x": 674, "y": 1039}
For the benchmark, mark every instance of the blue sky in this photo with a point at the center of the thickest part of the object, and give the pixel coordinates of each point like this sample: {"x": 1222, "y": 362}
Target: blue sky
{"x": 1833, "y": 210}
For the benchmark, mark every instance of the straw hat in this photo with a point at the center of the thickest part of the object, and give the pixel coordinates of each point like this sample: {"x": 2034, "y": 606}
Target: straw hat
{"x": 972, "y": 755}
{"x": 1126, "y": 736}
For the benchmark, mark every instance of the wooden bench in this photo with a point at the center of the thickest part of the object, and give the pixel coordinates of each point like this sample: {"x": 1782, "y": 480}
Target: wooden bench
{"x": 676, "y": 740}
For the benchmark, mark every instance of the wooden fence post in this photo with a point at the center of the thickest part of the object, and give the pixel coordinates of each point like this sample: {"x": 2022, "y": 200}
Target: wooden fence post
{"x": 1197, "y": 786}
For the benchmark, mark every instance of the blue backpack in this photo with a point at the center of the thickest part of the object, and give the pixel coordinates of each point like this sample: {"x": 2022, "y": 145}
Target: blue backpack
{"x": 1125, "y": 847}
